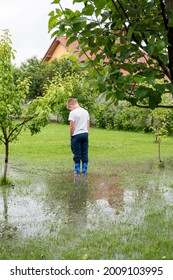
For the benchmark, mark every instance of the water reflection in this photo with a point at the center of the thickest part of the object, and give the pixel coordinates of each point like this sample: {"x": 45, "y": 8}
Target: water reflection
{"x": 77, "y": 207}
{"x": 7, "y": 230}
{"x": 108, "y": 190}
{"x": 5, "y": 213}
{"x": 67, "y": 202}
{"x": 80, "y": 206}
{"x": 48, "y": 204}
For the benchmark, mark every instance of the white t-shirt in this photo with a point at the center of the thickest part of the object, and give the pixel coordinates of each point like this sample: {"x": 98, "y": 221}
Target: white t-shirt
{"x": 80, "y": 117}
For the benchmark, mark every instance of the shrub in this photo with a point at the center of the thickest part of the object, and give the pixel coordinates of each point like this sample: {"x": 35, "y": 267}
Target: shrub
{"x": 122, "y": 117}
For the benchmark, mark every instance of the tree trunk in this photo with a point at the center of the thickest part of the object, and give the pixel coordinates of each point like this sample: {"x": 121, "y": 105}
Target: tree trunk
{"x": 6, "y": 160}
{"x": 169, "y": 4}
{"x": 159, "y": 155}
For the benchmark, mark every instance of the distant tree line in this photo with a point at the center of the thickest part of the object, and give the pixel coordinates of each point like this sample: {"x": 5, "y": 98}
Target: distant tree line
{"x": 48, "y": 77}
{"x": 41, "y": 73}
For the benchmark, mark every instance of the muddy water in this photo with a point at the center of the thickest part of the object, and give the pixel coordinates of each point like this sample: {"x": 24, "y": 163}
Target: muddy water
{"x": 39, "y": 204}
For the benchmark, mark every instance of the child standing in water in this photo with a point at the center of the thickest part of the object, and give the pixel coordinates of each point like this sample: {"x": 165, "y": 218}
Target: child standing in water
{"x": 79, "y": 129}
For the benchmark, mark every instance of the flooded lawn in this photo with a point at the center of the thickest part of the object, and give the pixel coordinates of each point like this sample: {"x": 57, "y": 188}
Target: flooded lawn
{"x": 46, "y": 206}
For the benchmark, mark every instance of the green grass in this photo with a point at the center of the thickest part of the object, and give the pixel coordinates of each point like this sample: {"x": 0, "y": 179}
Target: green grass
{"x": 123, "y": 170}
{"x": 52, "y": 145}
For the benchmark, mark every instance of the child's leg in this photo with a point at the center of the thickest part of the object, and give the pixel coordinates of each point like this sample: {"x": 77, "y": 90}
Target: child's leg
{"x": 84, "y": 153}
{"x": 76, "y": 149}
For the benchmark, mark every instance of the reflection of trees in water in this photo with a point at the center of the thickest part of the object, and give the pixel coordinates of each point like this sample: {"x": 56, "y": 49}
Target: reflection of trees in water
{"x": 66, "y": 200}
{"x": 108, "y": 190}
{"x": 77, "y": 212}
{"x": 5, "y": 213}
{"x": 147, "y": 182}
{"x": 69, "y": 202}
{"x": 6, "y": 230}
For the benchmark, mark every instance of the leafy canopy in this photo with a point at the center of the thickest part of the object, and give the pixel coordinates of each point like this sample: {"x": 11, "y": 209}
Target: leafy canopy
{"x": 129, "y": 45}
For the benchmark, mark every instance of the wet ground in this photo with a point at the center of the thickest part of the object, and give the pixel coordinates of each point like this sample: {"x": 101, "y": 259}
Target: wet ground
{"x": 43, "y": 202}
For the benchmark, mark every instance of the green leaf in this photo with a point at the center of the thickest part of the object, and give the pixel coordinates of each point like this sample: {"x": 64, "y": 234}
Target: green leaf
{"x": 52, "y": 22}
{"x": 133, "y": 101}
{"x": 71, "y": 40}
{"x": 77, "y": 1}
{"x": 154, "y": 100}
{"x": 150, "y": 48}
{"x": 80, "y": 19}
{"x": 164, "y": 58}
{"x": 88, "y": 10}
{"x": 57, "y": 33}
{"x": 160, "y": 44}
{"x": 100, "y": 4}
{"x": 52, "y": 13}
{"x": 108, "y": 96}
{"x": 142, "y": 92}
{"x": 56, "y": 2}
{"x": 138, "y": 79}
{"x": 130, "y": 32}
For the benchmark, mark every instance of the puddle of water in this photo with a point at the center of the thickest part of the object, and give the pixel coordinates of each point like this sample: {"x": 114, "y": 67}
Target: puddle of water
{"x": 40, "y": 205}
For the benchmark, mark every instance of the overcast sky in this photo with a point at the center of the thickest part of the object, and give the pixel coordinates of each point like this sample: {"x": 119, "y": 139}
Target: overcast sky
{"x": 27, "y": 21}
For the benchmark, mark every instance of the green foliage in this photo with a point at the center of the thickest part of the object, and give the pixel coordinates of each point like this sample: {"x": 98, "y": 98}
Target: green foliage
{"x": 159, "y": 124}
{"x": 122, "y": 117}
{"x": 13, "y": 94}
{"x": 70, "y": 85}
{"x": 169, "y": 122}
{"x": 132, "y": 119}
{"x": 12, "y": 97}
{"x": 135, "y": 37}
{"x": 159, "y": 128}
{"x": 36, "y": 71}
{"x": 41, "y": 73}
{"x": 5, "y": 182}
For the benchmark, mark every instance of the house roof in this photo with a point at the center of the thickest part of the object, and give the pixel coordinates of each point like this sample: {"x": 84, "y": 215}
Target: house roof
{"x": 63, "y": 40}
{"x": 74, "y": 48}
{"x": 51, "y": 50}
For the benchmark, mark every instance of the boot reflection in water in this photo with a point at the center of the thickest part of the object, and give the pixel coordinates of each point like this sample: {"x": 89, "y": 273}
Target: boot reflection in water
{"x": 76, "y": 179}
{"x": 84, "y": 179}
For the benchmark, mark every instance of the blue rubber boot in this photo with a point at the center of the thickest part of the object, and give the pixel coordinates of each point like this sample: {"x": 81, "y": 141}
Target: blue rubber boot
{"x": 77, "y": 173}
{"x": 77, "y": 169}
{"x": 84, "y": 168}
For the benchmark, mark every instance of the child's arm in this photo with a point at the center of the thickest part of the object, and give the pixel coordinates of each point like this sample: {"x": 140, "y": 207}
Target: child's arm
{"x": 71, "y": 128}
{"x": 88, "y": 125}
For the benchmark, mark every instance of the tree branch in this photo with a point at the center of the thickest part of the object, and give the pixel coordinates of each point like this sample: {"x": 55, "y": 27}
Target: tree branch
{"x": 159, "y": 106}
{"x": 18, "y": 126}
{"x": 162, "y": 6}
{"x": 113, "y": 2}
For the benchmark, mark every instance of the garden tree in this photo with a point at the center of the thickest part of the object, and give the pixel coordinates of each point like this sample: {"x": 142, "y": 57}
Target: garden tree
{"x": 135, "y": 37}
{"x": 11, "y": 97}
{"x": 160, "y": 130}
{"x": 37, "y": 72}
{"x": 12, "y": 103}
{"x": 161, "y": 124}
{"x": 70, "y": 85}
{"x": 63, "y": 67}
{"x": 40, "y": 73}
